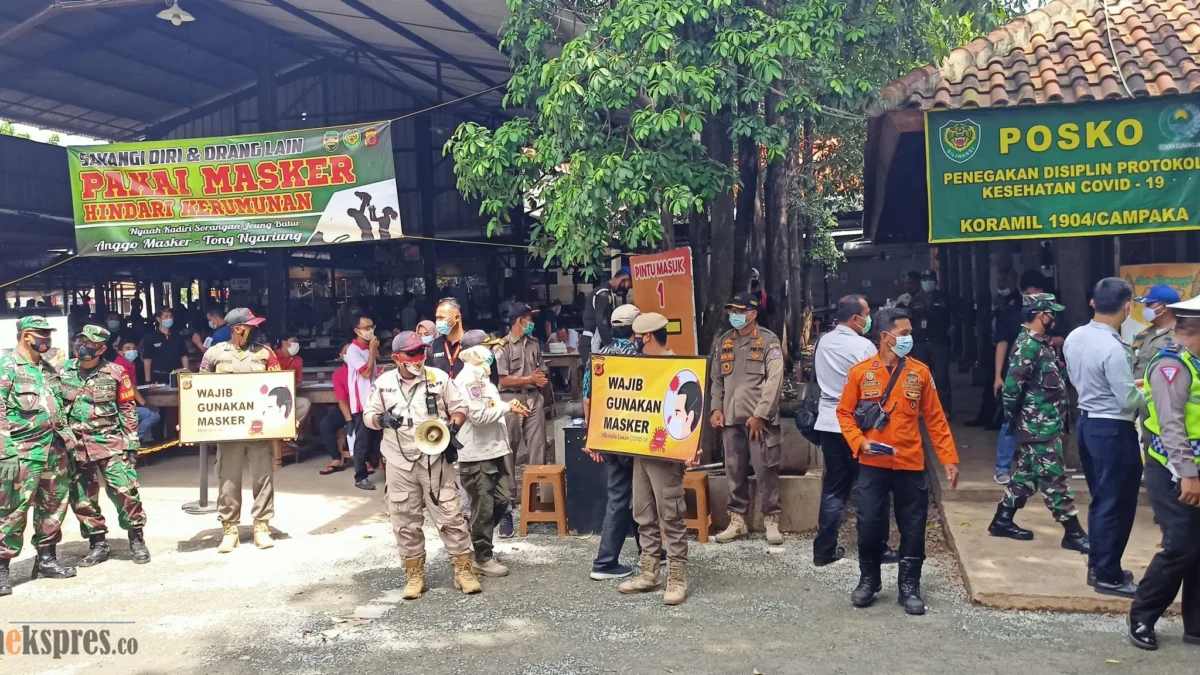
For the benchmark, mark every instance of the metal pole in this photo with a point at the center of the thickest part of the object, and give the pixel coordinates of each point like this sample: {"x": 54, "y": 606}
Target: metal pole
{"x": 202, "y": 505}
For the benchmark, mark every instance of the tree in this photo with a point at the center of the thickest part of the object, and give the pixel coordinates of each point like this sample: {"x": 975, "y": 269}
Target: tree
{"x": 639, "y": 108}
{"x": 7, "y": 129}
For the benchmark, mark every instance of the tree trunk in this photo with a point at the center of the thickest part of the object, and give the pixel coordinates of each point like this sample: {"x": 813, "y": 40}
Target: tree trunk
{"x": 747, "y": 202}
{"x": 721, "y": 233}
{"x": 667, "y": 220}
{"x": 698, "y": 235}
{"x": 775, "y": 194}
{"x": 800, "y": 301}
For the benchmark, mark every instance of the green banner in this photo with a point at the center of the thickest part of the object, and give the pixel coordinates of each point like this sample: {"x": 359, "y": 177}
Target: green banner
{"x": 292, "y": 188}
{"x": 1039, "y": 171}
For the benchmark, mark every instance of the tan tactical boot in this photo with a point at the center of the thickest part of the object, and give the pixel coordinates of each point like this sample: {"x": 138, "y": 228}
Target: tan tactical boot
{"x": 676, "y": 583}
{"x": 262, "y": 535}
{"x": 491, "y": 568}
{"x": 649, "y": 580}
{"x": 736, "y": 529}
{"x": 415, "y": 569}
{"x": 464, "y": 575}
{"x": 229, "y": 538}
{"x": 771, "y": 523}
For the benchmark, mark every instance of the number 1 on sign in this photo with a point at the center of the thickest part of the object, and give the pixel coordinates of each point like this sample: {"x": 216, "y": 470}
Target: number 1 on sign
{"x": 662, "y": 295}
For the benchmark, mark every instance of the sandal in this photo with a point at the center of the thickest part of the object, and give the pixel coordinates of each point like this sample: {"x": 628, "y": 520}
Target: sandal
{"x": 331, "y": 469}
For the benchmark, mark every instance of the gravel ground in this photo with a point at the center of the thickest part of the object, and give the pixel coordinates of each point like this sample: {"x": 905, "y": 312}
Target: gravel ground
{"x": 330, "y": 603}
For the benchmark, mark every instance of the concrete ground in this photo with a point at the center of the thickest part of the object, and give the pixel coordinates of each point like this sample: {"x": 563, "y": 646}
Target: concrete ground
{"x": 326, "y": 599}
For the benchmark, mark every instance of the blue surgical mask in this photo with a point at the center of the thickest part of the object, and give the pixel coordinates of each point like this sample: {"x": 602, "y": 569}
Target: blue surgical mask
{"x": 1004, "y": 292}
{"x": 738, "y": 321}
{"x": 867, "y": 325}
{"x": 904, "y": 345}
{"x": 113, "y": 325}
{"x": 167, "y": 323}
{"x": 927, "y": 286}
{"x": 212, "y": 325}
{"x": 131, "y": 355}
{"x": 443, "y": 327}
{"x": 491, "y": 358}
{"x": 427, "y": 339}
{"x": 528, "y": 329}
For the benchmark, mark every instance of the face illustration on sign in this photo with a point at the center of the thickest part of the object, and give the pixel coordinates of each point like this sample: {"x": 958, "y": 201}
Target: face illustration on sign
{"x": 683, "y": 405}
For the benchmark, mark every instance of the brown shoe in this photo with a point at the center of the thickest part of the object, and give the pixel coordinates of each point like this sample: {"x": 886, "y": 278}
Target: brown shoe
{"x": 464, "y": 574}
{"x": 649, "y": 579}
{"x": 415, "y": 569}
{"x": 229, "y": 537}
{"x": 676, "y": 583}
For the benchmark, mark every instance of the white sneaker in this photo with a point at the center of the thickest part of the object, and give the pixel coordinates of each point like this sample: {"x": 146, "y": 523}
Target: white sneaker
{"x": 490, "y": 568}
{"x": 1002, "y": 479}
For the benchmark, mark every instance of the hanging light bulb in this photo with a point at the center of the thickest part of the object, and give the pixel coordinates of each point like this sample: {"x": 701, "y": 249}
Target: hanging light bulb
{"x": 175, "y": 14}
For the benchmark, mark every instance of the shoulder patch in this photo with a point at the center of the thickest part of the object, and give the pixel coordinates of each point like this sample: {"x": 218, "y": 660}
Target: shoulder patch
{"x": 1170, "y": 373}
{"x": 475, "y": 391}
{"x": 774, "y": 353}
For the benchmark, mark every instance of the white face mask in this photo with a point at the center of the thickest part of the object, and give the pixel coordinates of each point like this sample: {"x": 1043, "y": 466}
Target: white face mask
{"x": 675, "y": 427}
{"x": 293, "y": 348}
{"x": 1149, "y": 315}
{"x": 415, "y": 368}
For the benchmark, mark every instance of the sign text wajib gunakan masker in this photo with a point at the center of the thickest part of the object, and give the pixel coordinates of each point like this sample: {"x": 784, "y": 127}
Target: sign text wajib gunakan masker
{"x": 1064, "y": 170}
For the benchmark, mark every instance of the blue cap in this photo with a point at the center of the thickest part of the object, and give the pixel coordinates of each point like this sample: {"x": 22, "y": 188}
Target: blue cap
{"x": 1159, "y": 293}
{"x": 625, "y": 271}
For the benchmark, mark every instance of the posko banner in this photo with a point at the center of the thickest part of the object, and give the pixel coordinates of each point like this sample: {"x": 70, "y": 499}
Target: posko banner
{"x": 662, "y": 282}
{"x": 647, "y": 405}
{"x": 237, "y": 406}
{"x": 1033, "y": 172}
{"x": 291, "y": 188}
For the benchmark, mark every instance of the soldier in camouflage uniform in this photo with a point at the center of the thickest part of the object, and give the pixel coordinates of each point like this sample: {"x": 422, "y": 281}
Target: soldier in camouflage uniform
{"x": 1035, "y": 402}
{"x": 102, "y": 413}
{"x": 33, "y": 458}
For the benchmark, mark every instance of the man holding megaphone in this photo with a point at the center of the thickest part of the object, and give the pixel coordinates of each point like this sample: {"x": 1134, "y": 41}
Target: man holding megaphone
{"x": 419, "y": 410}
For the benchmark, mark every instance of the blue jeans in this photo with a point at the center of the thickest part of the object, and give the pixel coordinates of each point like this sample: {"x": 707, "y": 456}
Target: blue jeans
{"x": 1112, "y": 464}
{"x": 1006, "y": 448}
{"x": 147, "y": 418}
{"x": 618, "y": 516}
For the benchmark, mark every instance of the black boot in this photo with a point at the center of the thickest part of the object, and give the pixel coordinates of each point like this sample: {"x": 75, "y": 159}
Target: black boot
{"x": 98, "y": 553}
{"x": 137, "y": 546}
{"x": 869, "y": 583}
{"x": 1075, "y": 538}
{"x": 1003, "y": 525}
{"x": 890, "y": 556}
{"x": 909, "y": 583}
{"x": 47, "y": 564}
{"x": 5, "y": 584}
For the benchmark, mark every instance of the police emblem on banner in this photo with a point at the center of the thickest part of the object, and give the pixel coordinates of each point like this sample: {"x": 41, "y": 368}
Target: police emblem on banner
{"x": 960, "y": 140}
{"x": 597, "y": 367}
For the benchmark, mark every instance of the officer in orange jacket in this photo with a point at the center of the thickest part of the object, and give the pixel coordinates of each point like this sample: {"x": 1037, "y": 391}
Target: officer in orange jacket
{"x": 884, "y": 397}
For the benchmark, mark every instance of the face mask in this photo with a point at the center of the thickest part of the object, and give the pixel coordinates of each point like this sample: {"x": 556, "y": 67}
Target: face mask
{"x": 85, "y": 353}
{"x": 867, "y": 325}
{"x": 491, "y": 358}
{"x": 415, "y": 368}
{"x": 1149, "y": 315}
{"x": 130, "y": 355}
{"x": 675, "y": 427}
{"x": 167, "y": 323}
{"x": 366, "y": 334}
{"x": 212, "y": 325}
{"x": 443, "y": 327}
{"x": 528, "y": 329}
{"x": 1004, "y": 292}
{"x": 113, "y": 325}
{"x": 293, "y": 348}
{"x": 427, "y": 339}
{"x": 622, "y": 291}
{"x": 927, "y": 286}
{"x": 904, "y": 345}
{"x": 41, "y": 345}
{"x": 738, "y": 321}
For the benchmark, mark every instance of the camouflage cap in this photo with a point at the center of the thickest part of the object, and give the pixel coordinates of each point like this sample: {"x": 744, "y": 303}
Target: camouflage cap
{"x": 1041, "y": 302}
{"x": 94, "y": 333}
{"x": 34, "y": 323}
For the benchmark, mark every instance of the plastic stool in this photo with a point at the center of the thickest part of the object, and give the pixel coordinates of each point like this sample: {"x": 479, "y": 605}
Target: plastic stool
{"x": 697, "y": 481}
{"x": 534, "y": 510}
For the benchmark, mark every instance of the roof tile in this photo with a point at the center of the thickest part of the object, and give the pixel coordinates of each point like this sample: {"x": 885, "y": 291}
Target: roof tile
{"x": 1067, "y": 51}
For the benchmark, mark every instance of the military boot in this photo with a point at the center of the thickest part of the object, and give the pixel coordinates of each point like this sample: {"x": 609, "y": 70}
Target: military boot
{"x": 415, "y": 569}
{"x": 229, "y": 537}
{"x": 262, "y": 534}
{"x": 1074, "y": 538}
{"x": 99, "y": 552}
{"x": 5, "y": 584}
{"x": 771, "y": 525}
{"x": 1003, "y": 526}
{"x": 909, "y": 583}
{"x": 676, "y": 591}
{"x": 736, "y": 529}
{"x": 464, "y": 574}
{"x": 137, "y": 547}
{"x": 869, "y": 583}
{"x": 491, "y": 568}
{"x": 47, "y": 564}
{"x": 648, "y": 581}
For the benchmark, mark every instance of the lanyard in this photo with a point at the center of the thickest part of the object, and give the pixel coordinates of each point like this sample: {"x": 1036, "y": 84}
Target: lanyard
{"x": 453, "y": 357}
{"x": 408, "y": 397}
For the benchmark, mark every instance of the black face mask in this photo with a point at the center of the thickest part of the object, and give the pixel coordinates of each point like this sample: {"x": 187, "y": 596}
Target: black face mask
{"x": 41, "y": 345}
{"x": 622, "y": 291}
{"x": 754, "y": 285}
{"x": 85, "y": 353}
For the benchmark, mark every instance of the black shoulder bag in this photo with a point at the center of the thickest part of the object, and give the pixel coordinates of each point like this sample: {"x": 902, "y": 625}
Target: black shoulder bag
{"x": 870, "y": 415}
{"x": 806, "y": 415}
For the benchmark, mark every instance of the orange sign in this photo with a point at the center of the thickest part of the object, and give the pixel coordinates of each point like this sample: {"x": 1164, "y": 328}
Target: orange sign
{"x": 1183, "y": 277}
{"x": 662, "y": 283}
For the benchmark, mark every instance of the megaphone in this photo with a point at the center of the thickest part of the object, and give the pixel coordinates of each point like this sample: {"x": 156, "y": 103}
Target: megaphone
{"x": 432, "y": 437}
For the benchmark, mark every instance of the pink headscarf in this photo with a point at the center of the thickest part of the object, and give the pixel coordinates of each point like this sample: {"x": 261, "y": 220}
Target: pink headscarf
{"x": 429, "y": 326}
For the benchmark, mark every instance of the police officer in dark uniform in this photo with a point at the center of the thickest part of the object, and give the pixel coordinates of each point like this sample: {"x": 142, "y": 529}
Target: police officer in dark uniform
{"x": 597, "y": 331}
{"x": 931, "y": 321}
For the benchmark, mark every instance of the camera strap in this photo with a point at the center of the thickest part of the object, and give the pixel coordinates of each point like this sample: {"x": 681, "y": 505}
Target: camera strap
{"x": 892, "y": 382}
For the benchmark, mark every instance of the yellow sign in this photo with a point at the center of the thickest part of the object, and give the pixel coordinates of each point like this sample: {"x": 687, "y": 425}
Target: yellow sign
{"x": 648, "y": 405}
{"x": 237, "y": 406}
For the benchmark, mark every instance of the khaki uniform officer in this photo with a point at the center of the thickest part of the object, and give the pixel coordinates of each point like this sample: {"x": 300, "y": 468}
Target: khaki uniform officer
{"x": 400, "y": 400}
{"x": 243, "y": 354}
{"x": 747, "y": 377}
{"x": 1148, "y": 343}
{"x": 522, "y": 376}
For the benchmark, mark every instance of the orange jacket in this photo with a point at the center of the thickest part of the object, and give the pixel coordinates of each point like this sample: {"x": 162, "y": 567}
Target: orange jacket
{"x": 913, "y": 397}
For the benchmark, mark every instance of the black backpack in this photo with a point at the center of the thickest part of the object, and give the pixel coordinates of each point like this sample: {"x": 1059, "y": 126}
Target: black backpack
{"x": 810, "y": 406}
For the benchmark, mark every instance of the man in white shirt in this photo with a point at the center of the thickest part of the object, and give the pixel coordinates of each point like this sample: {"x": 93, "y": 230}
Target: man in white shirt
{"x": 837, "y": 351}
{"x": 1100, "y": 366}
